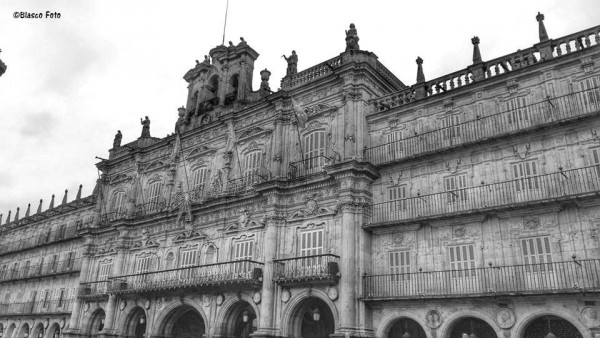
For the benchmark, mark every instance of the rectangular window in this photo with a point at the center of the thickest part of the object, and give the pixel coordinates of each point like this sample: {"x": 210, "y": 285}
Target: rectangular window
{"x": 252, "y": 166}
{"x": 314, "y": 145}
{"x": 142, "y": 264}
{"x": 187, "y": 259}
{"x": 456, "y": 186}
{"x": 118, "y": 203}
{"x": 311, "y": 242}
{"x": 199, "y": 178}
{"x": 526, "y": 176}
{"x": 394, "y": 144}
{"x": 104, "y": 270}
{"x": 46, "y": 300}
{"x": 69, "y": 261}
{"x": 518, "y": 111}
{"x": 591, "y": 88}
{"x": 596, "y": 161}
{"x": 61, "y": 297}
{"x": 451, "y": 127}
{"x": 54, "y": 263}
{"x": 154, "y": 196}
{"x": 15, "y": 270}
{"x": 399, "y": 265}
{"x": 462, "y": 257}
{"x": 397, "y": 198}
{"x": 537, "y": 255}
{"x": 26, "y": 269}
{"x": 243, "y": 250}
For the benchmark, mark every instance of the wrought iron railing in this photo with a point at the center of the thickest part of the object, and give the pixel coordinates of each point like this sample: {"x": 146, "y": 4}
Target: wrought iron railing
{"x": 527, "y": 190}
{"x": 150, "y": 208}
{"x": 233, "y": 274}
{"x": 307, "y": 268}
{"x": 545, "y": 278}
{"x": 512, "y": 121}
{"x": 234, "y": 187}
{"x": 38, "y": 240}
{"x": 91, "y": 290}
{"x": 114, "y": 216}
{"x": 308, "y": 166}
{"x": 37, "y": 307}
{"x": 41, "y": 270}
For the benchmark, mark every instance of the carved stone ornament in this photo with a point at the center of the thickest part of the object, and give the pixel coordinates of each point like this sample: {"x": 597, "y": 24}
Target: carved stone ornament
{"x": 256, "y": 297}
{"x": 206, "y": 300}
{"x": 86, "y": 307}
{"x": 433, "y": 319}
{"x": 505, "y": 318}
{"x": 62, "y": 323}
{"x": 459, "y": 232}
{"x": 122, "y": 305}
{"x": 46, "y": 323}
{"x": 589, "y": 316}
{"x": 220, "y": 299}
{"x": 243, "y": 218}
{"x": 398, "y": 238}
{"x": 147, "y": 304}
{"x": 332, "y": 293}
{"x": 531, "y": 223}
{"x": 285, "y": 295}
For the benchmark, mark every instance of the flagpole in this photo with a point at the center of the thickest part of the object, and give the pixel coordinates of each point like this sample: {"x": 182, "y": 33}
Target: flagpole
{"x": 225, "y": 23}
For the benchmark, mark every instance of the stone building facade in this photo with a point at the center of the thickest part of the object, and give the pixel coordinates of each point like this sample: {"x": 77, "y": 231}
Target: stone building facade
{"x": 345, "y": 204}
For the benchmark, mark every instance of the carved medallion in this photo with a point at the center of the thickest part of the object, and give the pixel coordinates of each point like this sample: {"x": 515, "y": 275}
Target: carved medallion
{"x": 332, "y": 293}
{"x": 256, "y": 297}
{"x": 62, "y": 323}
{"x": 206, "y": 300}
{"x": 122, "y": 305}
{"x": 459, "y": 232}
{"x": 285, "y": 295}
{"x": 433, "y": 319}
{"x": 220, "y": 299}
{"x": 505, "y": 318}
{"x": 86, "y": 307}
{"x": 531, "y": 223}
{"x": 589, "y": 316}
{"x": 147, "y": 304}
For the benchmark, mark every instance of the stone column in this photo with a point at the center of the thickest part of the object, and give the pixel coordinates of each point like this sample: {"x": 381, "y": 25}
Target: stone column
{"x": 110, "y": 313}
{"x": 83, "y": 276}
{"x": 347, "y": 269}
{"x": 265, "y": 326}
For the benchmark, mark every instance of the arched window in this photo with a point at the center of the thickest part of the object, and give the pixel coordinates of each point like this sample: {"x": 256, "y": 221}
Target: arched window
{"x": 210, "y": 256}
{"x": 154, "y": 195}
{"x": 232, "y": 91}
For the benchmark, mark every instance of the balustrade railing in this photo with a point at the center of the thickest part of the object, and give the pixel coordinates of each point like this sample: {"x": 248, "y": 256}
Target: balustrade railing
{"x": 311, "y": 73}
{"x": 37, "y": 307}
{"x": 576, "y": 41}
{"x": 537, "y": 114}
{"x": 526, "y": 190}
{"x": 234, "y": 273}
{"x": 543, "y": 278}
{"x": 90, "y": 290}
{"x": 38, "y": 240}
{"x": 307, "y": 268}
{"x": 41, "y": 270}
{"x": 308, "y": 166}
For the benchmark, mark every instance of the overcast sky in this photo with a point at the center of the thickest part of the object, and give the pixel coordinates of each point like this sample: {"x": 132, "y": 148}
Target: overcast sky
{"x": 72, "y": 82}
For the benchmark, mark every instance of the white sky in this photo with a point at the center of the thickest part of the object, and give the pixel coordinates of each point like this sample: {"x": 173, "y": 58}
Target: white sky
{"x": 72, "y": 82}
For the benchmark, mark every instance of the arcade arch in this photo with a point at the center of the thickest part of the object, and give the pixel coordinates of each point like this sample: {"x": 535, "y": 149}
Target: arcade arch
{"x": 182, "y": 322}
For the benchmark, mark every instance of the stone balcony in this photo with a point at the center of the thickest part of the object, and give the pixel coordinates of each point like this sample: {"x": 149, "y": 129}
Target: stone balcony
{"x": 93, "y": 290}
{"x": 41, "y": 270}
{"x": 226, "y": 276}
{"x": 541, "y": 114}
{"x": 314, "y": 269}
{"x": 307, "y": 167}
{"x": 523, "y": 192}
{"x": 576, "y": 276}
{"x": 56, "y": 306}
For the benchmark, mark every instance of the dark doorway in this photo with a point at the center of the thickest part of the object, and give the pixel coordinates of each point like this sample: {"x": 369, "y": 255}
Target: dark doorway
{"x": 406, "y": 328}
{"x": 541, "y": 327}
{"x": 472, "y": 328}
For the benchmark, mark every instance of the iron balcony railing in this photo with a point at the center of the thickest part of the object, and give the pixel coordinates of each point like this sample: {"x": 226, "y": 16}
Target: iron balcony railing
{"x": 37, "y": 307}
{"x": 308, "y": 166}
{"x": 93, "y": 290}
{"x": 114, "y": 216}
{"x": 242, "y": 273}
{"x": 527, "y": 190}
{"x": 149, "y": 208}
{"x": 551, "y": 110}
{"x": 41, "y": 270}
{"x": 47, "y": 237}
{"x": 312, "y": 268}
{"x": 234, "y": 187}
{"x": 543, "y": 278}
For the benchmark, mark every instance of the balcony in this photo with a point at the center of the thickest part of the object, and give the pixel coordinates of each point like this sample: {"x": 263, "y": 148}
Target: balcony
{"x": 114, "y": 216}
{"x": 234, "y": 187}
{"x": 308, "y": 166}
{"x": 561, "y": 185}
{"x": 41, "y": 270}
{"x": 533, "y": 279}
{"x": 313, "y": 269}
{"x": 519, "y": 120}
{"x": 93, "y": 290}
{"x": 49, "y": 237}
{"x": 147, "y": 209}
{"x": 59, "y": 306}
{"x": 235, "y": 275}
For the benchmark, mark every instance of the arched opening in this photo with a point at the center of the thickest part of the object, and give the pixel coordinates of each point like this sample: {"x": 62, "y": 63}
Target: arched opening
{"x": 210, "y": 256}
{"x": 551, "y": 326}
{"x": 54, "y": 331}
{"x": 471, "y": 327}
{"x": 24, "y": 331}
{"x": 232, "y": 91}
{"x": 184, "y": 322}
{"x": 136, "y": 325}
{"x": 213, "y": 89}
{"x": 97, "y": 322}
{"x": 9, "y": 331}
{"x": 1, "y": 330}
{"x": 242, "y": 320}
{"x": 406, "y": 328}
{"x": 312, "y": 319}
{"x": 38, "y": 331}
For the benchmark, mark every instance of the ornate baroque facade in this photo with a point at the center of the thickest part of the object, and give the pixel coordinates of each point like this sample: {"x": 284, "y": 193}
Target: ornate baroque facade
{"x": 345, "y": 204}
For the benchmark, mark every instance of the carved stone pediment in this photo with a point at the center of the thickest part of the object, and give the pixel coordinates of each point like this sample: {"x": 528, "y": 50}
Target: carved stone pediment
{"x": 253, "y": 132}
{"x": 200, "y": 151}
{"x": 311, "y": 208}
{"x": 119, "y": 178}
{"x": 318, "y": 109}
{"x": 155, "y": 165}
{"x": 244, "y": 222}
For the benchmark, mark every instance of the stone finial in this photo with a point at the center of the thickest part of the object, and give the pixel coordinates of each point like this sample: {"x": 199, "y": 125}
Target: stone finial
{"x": 265, "y": 75}
{"x": 39, "y": 209}
{"x": 28, "y": 210}
{"x": 64, "y": 200}
{"x": 51, "y": 203}
{"x": 8, "y": 217}
{"x": 543, "y": 34}
{"x": 17, "y": 214}
{"x": 78, "y": 197}
{"x": 420, "y": 74}
{"x": 476, "y": 52}
{"x": 181, "y": 111}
